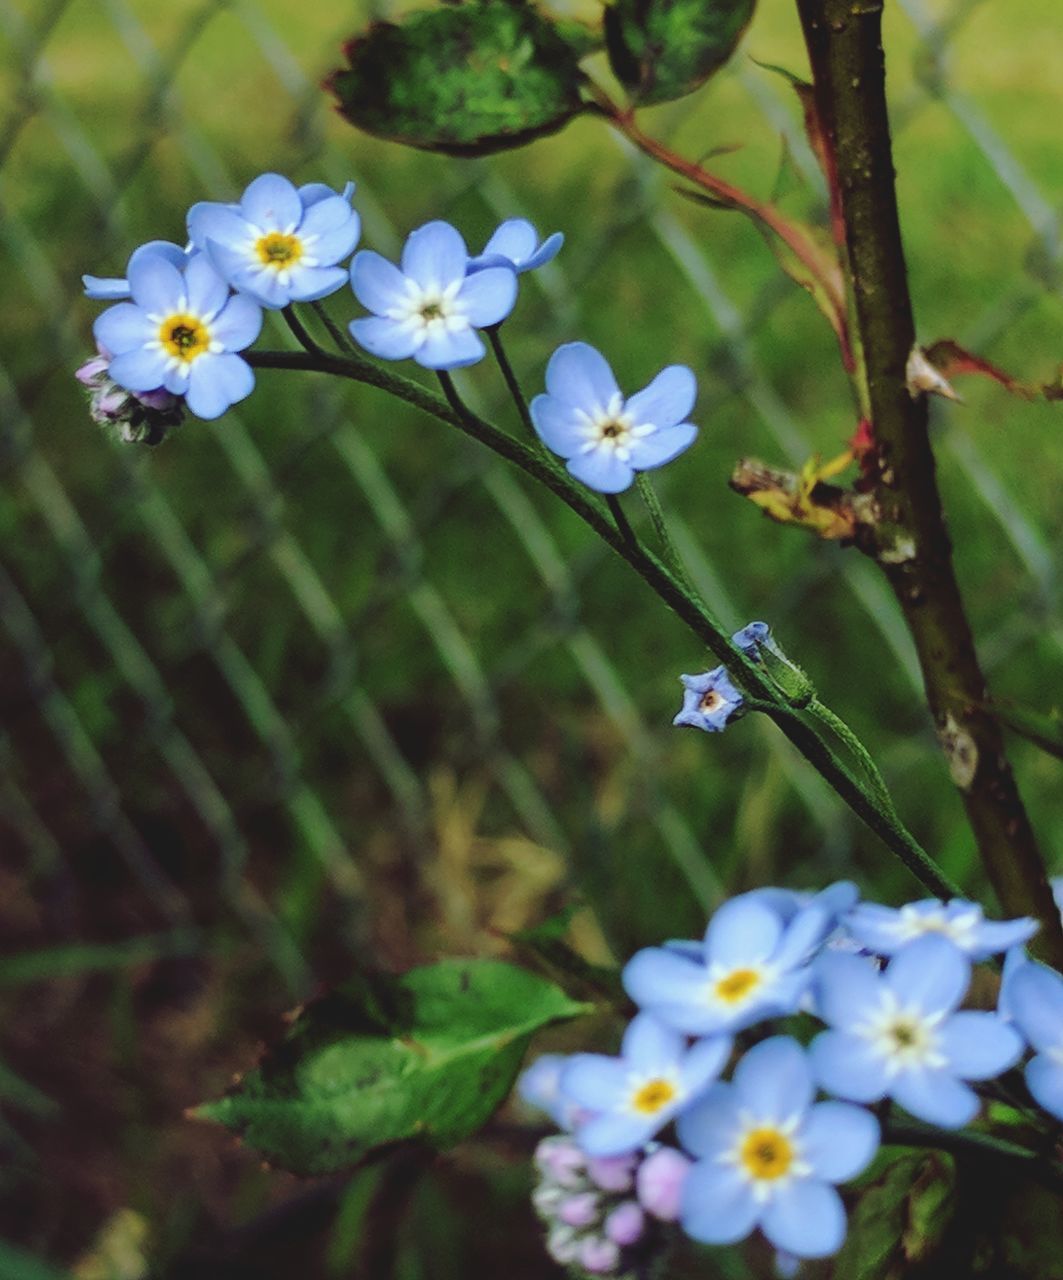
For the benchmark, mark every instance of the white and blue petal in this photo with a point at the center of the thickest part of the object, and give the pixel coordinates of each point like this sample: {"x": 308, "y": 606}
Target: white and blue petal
{"x": 388, "y": 339}
{"x": 557, "y": 425}
{"x": 238, "y": 324}
{"x": 601, "y": 469}
{"x": 980, "y": 1045}
{"x": 936, "y": 1097}
{"x": 205, "y": 288}
{"x": 654, "y": 450}
{"x": 742, "y": 932}
{"x": 309, "y": 284}
{"x": 596, "y": 1082}
{"x": 931, "y": 973}
{"x": 1035, "y": 1001}
{"x": 703, "y": 1064}
{"x": 377, "y": 283}
{"x": 616, "y": 1133}
{"x": 488, "y": 297}
{"x": 449, "y": 349}
{"x": 217, "y": 381}
{"x": 123, "y": 328}
{"x": 711, "y": 1125}
{"x": 1044, "y": 1079}
{"x": 434, "y": 255}
{"x": 773, "y": 1080}
{"x": 156, "y": 285}
{"x": 272, "y": 203}
{"x": 222, "y": 223}
{"x": 581, "y": 376}
{"x": 805, "y": 1218}
{"x": 514, "y": 239}
{"x": 718, "y": 1205}
{"x": 139, "y": 369}
{"x": 667, "y": 400}
{"x": 846, "y": 1065}
{"x": 839, "y": 1140}
{"x": 847, "y": 987}
{"x": 650, "y": 1046}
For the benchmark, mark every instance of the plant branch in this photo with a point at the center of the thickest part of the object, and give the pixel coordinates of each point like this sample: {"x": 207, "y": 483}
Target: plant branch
{"x": 975, "y": 1145}
{"x": 654, "y": 572}
{"x": 912, "y": 545}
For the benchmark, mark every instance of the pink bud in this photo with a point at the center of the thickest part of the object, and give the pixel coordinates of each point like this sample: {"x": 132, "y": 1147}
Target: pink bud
{"x": 626, "y": 1224}
{"x": 559, "y": 1159}
{"x": 613, "y": 1173}
{"x": 580, "y": 1210}
{"x": 659, "y": 1182}
{"x": 599, "y": 1256}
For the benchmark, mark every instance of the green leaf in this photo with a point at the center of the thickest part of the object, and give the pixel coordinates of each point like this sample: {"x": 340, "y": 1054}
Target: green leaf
{"x": 465, "y": 80}
{"x": 663, "y": 49}
{"x": 1043, "y": 730}
{"x": 428, "y": 1055}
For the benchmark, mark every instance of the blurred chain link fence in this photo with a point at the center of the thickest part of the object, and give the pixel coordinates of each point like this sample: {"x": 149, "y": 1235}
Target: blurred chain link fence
{"x": 209, "y": 649}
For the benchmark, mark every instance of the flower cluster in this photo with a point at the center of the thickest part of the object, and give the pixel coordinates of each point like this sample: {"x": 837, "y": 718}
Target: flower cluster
{"x": 757, "y": 1149}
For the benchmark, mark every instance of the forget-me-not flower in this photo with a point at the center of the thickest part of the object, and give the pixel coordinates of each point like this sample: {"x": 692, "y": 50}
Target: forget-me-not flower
{"x": 710, "y": 701}
{"x": 280, "y": 243}
{"x": 767, "y": 1155}
{"x": 885, "y": 930}
{"x": 181, "y": 332}
{"x": 113, "y": 289}
{"x": 516, "y": 244}
{"x": 605, "y": 439}
{"x": 1035, "y": 1002}
{"x": 897, "y": 1033}
{"x": 429, "y": 308}
{"x": 751, "y": 965}
{"x": 638, "y": 1093}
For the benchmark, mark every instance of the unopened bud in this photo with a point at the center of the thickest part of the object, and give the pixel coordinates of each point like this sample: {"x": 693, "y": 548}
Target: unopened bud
{"x": 563, "y": 1245}
{"x": 559, "y": 1159}
{"x": 599, "y": 1256}
{"x": 579, "y": 1210}
{"x": 626, "y": 1224}
{"x": 613, "y": 1173}
{"x": 659, "y": 1182}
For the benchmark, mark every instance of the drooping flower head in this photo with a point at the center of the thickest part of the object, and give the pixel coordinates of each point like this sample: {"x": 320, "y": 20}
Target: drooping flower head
{"x": 710, "y": 701}
{"x": 180, "y": 333}
{"x": 1035, "y": 1002}
{"x": 113, "y": 289}
{"x": 767, "y": 1156}
{"x": 750, "y": 965}
{"x": 516, "y": 244}
{"x": 279, "y": 244}
{"x": 897, "y": 1033}
{"x": 428, "y": 308}
{"x": 885, "y": 930}
{"x": 635, "y": 1095}
{"x": 605, "y": 439}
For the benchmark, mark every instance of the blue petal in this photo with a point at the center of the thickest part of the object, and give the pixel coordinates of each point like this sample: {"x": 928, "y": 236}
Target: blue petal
{"x": 704, "y": 1063}
{"x": 387, "y": 339}
{"x": 650, "y": 1046}
{"x": 804, "y": 934}
{"x": 1044, "y": 1079}
{"x": 937, "y": 1098}
{"x": 540, "y": 1084}
{"x": 488, "y": 296}
{"x": 330, "y": 214}
{"x": 156, "y": 285}
{"x": 160, "y": 249}
{"x": 546, "y": 252}
{"x": 846, "y": 987}
{"x": 839, "y": 1140}
{"x": 105, "y": 288}
{"x": 453, "y": 350}
{"x": 600, "y": 469}
{"x": 930, "y": 973}
{"x": 378, "y": 284}
{"x": 434, "y": 255}
{"x": 711, "y": 1125}
{"x": 207, "y": 291}
{"x": 239, "y": 323}
{"x": 980, "y": 1045}
{"x": 875, "y": 926}
{"x": 217, "y": 381}
{"x": 656, "y": 976}
{"x": 175, "y": 379}
{"x": 308, "y": 284}
{"x": 652, "y": 451}
{"x": 221, "y": 223}
{"x": 555, "y": 422}
{"x": 1035, "y": 998}
{"x": 596, "y": 1082}
{"x": 805, "y": 1218}
{"x": 139, "y": 370}
{"x": 310, "y": 193}
{"x": 580, "y": 375}
{"x": 773, "y": 1080}
{"x": 515, "y": 239}
{"x": 667, "y": 400}
{"x": 742, "y": 932}
{"x": 845, "y": 1065}
{"x": 996, "y": 936}
{"x": 238, "y": 270}
{"x": 617, "y": 1133}
{"x": 123, "y": 328}
{"x": 334, "y": 246}
{"x": 272, "y": 203}
{"x": 718, "y": 1206}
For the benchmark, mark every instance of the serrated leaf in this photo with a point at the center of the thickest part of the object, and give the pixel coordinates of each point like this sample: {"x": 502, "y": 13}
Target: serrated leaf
{"x": 663, "y": 49}
{"x": 426, "y": 1055}
{"x": 464, "y": 80}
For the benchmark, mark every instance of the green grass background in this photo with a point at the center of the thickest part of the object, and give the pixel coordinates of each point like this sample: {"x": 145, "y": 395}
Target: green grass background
{"x": 322, "y": 684}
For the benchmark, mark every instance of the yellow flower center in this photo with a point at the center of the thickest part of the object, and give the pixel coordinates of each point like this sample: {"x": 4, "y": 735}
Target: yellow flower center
{"x": 737, "y": 985}
{"x": 277, "y": 249}
{"x": 184, "y": 337}
{"x": 652, "y": 1096}
{"x": 767, "y": 1154}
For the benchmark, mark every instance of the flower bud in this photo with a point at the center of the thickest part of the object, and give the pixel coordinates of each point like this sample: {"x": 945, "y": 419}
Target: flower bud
{"x": 579, "y": 1210}
{"x": 563, "y": 1245}
{"x": 626, "y": 1224}
{"x": 141, "y": 417}
{"x": 612, "y": 1173}
{"x": 659, "y": 1182}
{"x": 599, "y": 1256}
{"x": 559, "y": 1159}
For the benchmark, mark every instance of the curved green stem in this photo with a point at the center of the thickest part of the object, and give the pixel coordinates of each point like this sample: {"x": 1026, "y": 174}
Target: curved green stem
{"x": 684, "y": 603}
{"x": 982, "y": 1146}
{"x": 342, "y": 340}
{"x": 671, "y": 551}
{"x": 860, "y": 752}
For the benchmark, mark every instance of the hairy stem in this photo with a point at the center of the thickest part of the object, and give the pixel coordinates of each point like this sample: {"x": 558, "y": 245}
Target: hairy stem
{"x": 845, "y": 48}
{"x": 654, "y": 572}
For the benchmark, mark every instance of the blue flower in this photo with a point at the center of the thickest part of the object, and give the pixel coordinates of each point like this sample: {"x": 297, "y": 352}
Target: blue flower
{"x": 767, "y": 1156}
{"x": 280, "y": 244}
{"x": 638, "y": 1093}
{"x": 885, "y": 930}
{"x": 603, "y": 438}
{"x": 516, "y": 244}
{"x": 111, "y": 289}
{"x": 710, "y": 701}
{"x": 751, "y": 637}
{"x": 751, "y": 965}
{"x": 1035, "y": 1001}
{"x": 180, "y": 334}
{"x": 896, "y": 1033}
{"x": 429, "y": 308}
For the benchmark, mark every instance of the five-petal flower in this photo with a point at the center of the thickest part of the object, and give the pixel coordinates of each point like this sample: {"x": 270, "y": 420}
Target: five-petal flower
{"x": 885, "y": 930}
{"x": 1035, "y": 1002}
{"x": 710, "y": 701}
{"x": 516, "y": 244}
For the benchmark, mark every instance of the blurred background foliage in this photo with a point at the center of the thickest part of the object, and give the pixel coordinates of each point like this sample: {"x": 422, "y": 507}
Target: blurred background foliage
{"x": 323, "y": 685}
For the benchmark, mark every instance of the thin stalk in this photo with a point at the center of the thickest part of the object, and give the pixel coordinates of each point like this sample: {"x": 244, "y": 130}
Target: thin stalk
{"x": 343, "y": 340}
{"x": 859, "y": 751}
{"x": 671, "y": 551}
{"x": 302, "y": 334}
{"x": 494, "y": 336}
{"x": 622, "y": 522}
{"x": 652, "y": 570}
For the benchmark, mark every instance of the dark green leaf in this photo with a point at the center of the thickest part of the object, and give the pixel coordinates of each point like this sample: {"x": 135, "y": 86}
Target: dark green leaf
{"x": 663, "y": 49}
{"x": 465, "y": 80}
{"x": 428, "y": 1055}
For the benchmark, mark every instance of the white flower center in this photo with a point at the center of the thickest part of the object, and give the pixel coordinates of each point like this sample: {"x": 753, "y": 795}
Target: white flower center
{"x": 906, "y": 1039}
{"x": 766, "y": 1154}
{"x": 611, "y": 429}
{"x": 432, "y": 311}
{"x": 959, "y": 928}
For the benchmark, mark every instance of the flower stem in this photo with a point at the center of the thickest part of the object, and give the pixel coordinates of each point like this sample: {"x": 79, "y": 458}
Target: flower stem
{"x": 863, "y": 756}
{"x": 969, "y": 1142}
{"x": 494, "y": 336}
{"x": 671, "y": 551}
{"x": 622, "y": 522}
{"x": 652, "y": 570}
{"x": 342, "y": 340}
{"x": 302, "y": 334}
